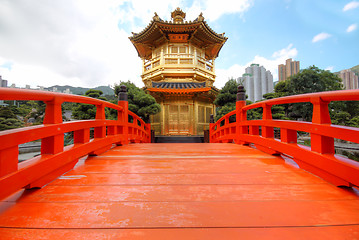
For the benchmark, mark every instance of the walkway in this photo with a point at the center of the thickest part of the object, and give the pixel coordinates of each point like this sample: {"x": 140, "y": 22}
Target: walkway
{"x": 183, "y": 191}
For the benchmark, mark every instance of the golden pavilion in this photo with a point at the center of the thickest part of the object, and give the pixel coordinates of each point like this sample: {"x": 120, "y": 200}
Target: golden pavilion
{"x": 178, "y": 70}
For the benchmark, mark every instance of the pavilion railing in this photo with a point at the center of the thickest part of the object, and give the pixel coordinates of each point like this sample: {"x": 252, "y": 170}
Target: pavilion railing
{"x": 319, "y": 159}
{"x": 55, "y": 158}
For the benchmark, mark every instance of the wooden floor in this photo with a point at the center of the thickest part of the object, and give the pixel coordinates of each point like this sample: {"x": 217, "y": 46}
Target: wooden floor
{"x": 183, "y": 191}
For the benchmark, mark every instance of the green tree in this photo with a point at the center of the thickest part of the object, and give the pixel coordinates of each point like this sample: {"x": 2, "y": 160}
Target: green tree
{"x": 310, "y": 80}
{"x": 354, "y": 122}
{"x": 8, "y": 119}
{"x": 278, "y": 111}
{"x": 6, "y": 112}
{"x": 226, "y": 99}
{"x": 139, "y": 102}
{"x": 87, "y": 111}
{"x": 95, "y": 94}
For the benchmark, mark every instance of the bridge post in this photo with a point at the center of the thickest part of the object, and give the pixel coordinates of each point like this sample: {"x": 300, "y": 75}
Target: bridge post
{"x": 267, "y": 132}
{"x": 211, "y": 130}
{"x": 8, "y": 160}
{"x": 123, "y": 115}
{"x": 241, "y": 116}
{"x": 149, "y": 132}
{"x": 100, "y": 132}
{"x": 319, "y": 143}
{"x": 53, "y": 115}
{"x": 52, "y": 145}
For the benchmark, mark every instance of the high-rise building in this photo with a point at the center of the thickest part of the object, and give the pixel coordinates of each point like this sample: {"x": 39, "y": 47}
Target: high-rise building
{"x": 349, "y": 78}
{"x": 289, "y": 69}
{"x": 3, "y": 82}
{"x": 257, "y": 81}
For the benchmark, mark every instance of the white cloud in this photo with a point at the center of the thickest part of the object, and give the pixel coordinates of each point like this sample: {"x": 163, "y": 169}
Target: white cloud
{"x": 330, "y": 68}
{"x": 320, "y": 37}
{"x": 212, "y": 9}
{"x": 79, "y": 42}
{"x": 352, "y": 28}
{"x": 67, "y": 42}
{"x": 134, "y": 11}
{"x": 271, "y": 64}
{"x": 351, "y": 5}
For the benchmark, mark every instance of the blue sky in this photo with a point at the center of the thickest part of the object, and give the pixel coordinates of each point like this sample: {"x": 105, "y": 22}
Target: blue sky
{"x": 270, "y": 24}
{"x": 85, "y": 42}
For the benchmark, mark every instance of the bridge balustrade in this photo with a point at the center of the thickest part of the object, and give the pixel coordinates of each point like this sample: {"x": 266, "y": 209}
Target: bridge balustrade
{"x": 55, "y": 158}
{"x": 319, "y": 159}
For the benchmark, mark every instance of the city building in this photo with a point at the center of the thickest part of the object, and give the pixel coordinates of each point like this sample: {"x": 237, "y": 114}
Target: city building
{"x": 256, "y": 81}
{"x": 178, "y": 71}
{"x": 67, "y": 91}
{"x": 349, "y": 78}
{"x": 289, "y": 69}
{"x": 3, "y": 82}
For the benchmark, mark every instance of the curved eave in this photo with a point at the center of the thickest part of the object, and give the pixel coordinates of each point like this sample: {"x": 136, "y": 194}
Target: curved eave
{"x": 215, "y": 50}
{"x": 220, "y": 37}
{"x": 145, "y": 40}
{"x": 156, "y": 33}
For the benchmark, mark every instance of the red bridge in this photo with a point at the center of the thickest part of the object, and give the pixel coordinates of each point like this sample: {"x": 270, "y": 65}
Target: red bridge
{"x": 244, "y": 184}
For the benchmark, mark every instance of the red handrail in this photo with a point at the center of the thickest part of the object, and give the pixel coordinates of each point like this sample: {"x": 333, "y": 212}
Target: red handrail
{"x": 55, "y": 159}
{"x": 320, "y": 158}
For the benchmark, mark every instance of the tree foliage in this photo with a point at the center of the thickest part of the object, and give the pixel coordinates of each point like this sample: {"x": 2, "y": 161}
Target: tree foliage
{"x": 8, "y": 119}
{"x": 139, "y": 102}
{"x": 87, "y": 111}
{"x": 309, "y": 80}
{"x": 312, "y": 80}
{"x": 226, "y": 99}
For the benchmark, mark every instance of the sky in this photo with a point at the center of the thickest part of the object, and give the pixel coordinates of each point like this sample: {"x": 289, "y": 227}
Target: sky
{"x": 84, "y": 43}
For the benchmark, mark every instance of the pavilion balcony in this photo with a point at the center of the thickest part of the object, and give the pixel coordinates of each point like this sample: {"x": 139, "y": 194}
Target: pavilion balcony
{"x": 182, "y": 60}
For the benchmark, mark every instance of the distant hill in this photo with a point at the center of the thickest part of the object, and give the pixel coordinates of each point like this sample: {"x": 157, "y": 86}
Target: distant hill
{"x": 81, "y": 91}
{"x": 356, "y": 69}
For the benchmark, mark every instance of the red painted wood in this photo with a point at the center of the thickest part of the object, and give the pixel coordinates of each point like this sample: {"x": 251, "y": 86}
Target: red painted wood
{"x": 320, "y": 159}
{"x": 185, "y": 191}
{"x": 293, "y": 233}
{"x": 55, "y": 159}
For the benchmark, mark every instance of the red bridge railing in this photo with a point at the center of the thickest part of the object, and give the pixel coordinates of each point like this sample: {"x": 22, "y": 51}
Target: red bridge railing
{"x": 320, "y": 158}
{"x": 55, "y": 158}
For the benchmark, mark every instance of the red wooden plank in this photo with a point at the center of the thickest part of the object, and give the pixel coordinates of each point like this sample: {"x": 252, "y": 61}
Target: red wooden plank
{"x": 308, "y": 233}
{"x": 182, "y": 214}
{"x": 189, "y": 193}
{"x": 157, "y": 191}
{"x": 296, "y": 178}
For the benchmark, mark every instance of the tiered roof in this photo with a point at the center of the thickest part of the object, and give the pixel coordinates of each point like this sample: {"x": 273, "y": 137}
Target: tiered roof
{"x": 196, "y": 32}
{"x": 181, "y": 87}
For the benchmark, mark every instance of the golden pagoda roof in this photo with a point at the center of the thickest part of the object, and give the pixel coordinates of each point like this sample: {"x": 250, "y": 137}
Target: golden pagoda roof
{"x": 196, "y": 32}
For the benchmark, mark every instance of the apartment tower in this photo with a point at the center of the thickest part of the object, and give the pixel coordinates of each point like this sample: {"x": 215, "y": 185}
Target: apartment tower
{"x": 257, "y": 81}
{"x": 289, "y": 69}
{"x": 349, "y": 78}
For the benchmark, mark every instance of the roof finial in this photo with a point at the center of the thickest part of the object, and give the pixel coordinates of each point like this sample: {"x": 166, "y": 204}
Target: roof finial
{"x": 156, "y": 17}
{"x": 178, "y": 15}
{"x": 200, "y": 17}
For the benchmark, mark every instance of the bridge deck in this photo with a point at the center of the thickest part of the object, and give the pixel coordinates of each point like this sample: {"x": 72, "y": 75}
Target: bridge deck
{"x": 183, "y": 191}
